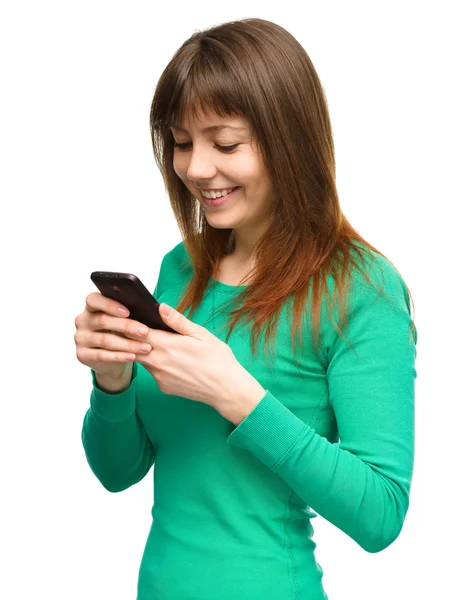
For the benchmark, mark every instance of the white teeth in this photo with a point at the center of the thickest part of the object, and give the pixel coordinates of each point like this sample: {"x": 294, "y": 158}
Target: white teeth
{"x": 214, "y": 195}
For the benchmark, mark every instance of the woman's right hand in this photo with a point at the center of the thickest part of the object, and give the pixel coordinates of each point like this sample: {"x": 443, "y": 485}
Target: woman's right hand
{"x": 108, "y": 353}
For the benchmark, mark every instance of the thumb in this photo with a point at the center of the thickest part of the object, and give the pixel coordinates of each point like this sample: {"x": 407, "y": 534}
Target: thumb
{"x": 176, "y": 320}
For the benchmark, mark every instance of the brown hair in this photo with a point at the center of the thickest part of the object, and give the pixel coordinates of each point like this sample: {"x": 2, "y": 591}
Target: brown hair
{"x": 255, "y": 68}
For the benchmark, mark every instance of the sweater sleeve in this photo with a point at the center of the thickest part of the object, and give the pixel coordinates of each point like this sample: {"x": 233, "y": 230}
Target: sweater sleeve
{"x": 117, "y": 447}
{"x": 362, "y": 483}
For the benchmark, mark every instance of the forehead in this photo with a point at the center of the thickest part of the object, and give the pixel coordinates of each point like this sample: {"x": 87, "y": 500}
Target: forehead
{"x": 213, "y": 128}
{"x": 209, "y": 123}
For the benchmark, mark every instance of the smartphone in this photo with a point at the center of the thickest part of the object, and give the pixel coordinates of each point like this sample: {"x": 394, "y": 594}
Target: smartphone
{"x": 128, "y": 290}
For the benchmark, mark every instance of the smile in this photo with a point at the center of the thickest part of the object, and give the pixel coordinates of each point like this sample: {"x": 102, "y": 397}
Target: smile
{"x": 214, "y": 202}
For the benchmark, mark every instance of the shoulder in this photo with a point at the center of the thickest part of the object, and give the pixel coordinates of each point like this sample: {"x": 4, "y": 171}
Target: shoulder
{"x": 175, "y": 265}
{"x": 380, "y": 280}
{"x": 177, "y": 254}
{"x": 376, "y": 302}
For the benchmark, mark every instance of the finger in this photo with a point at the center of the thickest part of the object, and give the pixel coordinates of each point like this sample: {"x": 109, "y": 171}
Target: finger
{"x": 92, "y": 355}
{"x": 96, "y": 302}
{"x": 115, "y": 343}
{"x": 122, "y": 326}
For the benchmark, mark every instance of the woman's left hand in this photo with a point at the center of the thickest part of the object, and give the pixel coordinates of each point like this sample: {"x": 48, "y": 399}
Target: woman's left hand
{"x": 194, "y": 365}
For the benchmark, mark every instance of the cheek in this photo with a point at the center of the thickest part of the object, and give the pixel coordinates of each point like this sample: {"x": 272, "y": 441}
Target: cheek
{"x": 180, "y": 170}
{"x": 176, "y": 164}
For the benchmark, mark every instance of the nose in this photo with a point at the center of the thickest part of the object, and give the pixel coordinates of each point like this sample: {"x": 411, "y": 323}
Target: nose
{"x": 201, "y": 166}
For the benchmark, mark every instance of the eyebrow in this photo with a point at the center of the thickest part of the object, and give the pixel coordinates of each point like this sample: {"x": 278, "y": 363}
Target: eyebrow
{"x": 210, "y": 129}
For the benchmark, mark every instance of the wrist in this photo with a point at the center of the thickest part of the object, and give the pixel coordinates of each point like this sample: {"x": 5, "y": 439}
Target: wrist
{"x": 242, "y": 401}
{"x": 114, "y": 385}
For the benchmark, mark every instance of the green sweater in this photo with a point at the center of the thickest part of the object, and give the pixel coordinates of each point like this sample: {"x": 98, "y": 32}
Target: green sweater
{"x": 231, "y": 517}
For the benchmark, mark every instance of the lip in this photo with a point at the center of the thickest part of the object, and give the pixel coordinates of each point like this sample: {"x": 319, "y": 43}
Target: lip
{"x": 219, "y": 201}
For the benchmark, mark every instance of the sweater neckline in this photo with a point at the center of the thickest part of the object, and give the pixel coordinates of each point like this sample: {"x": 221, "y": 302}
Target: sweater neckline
{"x": 219, "y": 286}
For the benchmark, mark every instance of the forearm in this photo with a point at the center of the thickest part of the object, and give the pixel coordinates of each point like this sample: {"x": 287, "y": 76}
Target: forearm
{"x": 359, "y": 498}
{"x": 116, "y": 444}
{"x": 367, "y": 505}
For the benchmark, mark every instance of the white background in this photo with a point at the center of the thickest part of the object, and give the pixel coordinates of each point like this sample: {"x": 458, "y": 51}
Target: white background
{"x": 80, "y": 192}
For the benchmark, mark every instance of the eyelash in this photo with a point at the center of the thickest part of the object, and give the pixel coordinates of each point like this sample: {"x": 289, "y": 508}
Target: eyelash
{"x": 226, "y": 149}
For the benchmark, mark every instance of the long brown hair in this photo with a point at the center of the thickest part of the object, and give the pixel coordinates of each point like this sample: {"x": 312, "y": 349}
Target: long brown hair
{"x": 255, "y": 68}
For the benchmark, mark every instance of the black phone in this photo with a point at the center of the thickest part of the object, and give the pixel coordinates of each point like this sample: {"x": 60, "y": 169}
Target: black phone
{"x": 128, "y": 290}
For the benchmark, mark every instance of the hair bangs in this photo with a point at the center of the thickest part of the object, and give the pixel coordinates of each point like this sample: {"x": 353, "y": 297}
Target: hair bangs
{"x": 207, "y": 90}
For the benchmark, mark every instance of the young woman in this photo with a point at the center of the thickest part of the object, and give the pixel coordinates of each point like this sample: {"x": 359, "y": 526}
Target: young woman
{"x": 246, "y": 447}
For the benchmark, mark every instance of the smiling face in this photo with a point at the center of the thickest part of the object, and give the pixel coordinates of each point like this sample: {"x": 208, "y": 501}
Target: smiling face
{"x": 202, "y": 164}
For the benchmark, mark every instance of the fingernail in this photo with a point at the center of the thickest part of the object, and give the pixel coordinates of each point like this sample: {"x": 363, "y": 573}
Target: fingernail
{"x": 123, "y": 312}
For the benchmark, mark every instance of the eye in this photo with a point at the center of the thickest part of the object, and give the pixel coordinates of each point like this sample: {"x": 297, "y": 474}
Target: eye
{"x": 221, "y": 148}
